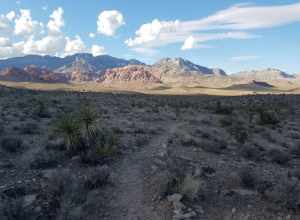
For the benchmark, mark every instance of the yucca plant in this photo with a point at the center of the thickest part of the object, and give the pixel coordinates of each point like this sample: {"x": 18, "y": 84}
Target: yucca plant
{"x": 88, "y": 116}
{"x": 104, "y": 141}
{"x": 69, "y": 127}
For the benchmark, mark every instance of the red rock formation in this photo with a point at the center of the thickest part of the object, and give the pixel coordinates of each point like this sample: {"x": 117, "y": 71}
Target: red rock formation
{"x": 131, "y": 73}
{"x": 31, "y": 74}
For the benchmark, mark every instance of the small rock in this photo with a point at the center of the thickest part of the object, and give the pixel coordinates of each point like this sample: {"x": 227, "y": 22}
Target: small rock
{"x": 178, "y": 205}
{"x": 175, "y": 198}
{"x": 29, "y": 200}
{"x": 185, "y": 216}
{"x": 233, "y": 211}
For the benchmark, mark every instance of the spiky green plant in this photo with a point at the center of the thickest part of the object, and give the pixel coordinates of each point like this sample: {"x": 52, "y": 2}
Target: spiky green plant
{"x": 69, "y": 127}
{"x": 88, "y": 116}
{"x": 104, "y": 141}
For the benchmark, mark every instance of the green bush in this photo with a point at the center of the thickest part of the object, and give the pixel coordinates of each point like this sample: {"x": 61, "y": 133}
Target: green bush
{"x": 104, "y": 141}
{"x": 223, "y": 109}
{"x": 41, "y": 110}
{"x": 226, "y": 121}
{"x": 88, "y": 116}
{"x": 69, "y": 127}
{"x": 239, "y": 132}
{"x": 268, "y": 117}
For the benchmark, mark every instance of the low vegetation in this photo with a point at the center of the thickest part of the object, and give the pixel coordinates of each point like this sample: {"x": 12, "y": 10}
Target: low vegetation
{"x": 70, "y": 155}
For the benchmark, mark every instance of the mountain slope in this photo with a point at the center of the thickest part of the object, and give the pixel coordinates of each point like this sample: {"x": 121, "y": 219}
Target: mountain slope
{"x": 264, "y": 75}
{"x": 32, "y": 74}
{"x": 67, "y": 64}
{"x": 252, "y": 86}
{"x": 169, "y": 70}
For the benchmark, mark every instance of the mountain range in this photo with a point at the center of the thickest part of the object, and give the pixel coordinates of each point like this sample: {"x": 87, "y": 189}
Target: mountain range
{"x": 107, "y": 69}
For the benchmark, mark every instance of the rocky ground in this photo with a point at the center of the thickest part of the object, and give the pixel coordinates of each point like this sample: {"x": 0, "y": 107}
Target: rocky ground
{"x": 70, "y": 155}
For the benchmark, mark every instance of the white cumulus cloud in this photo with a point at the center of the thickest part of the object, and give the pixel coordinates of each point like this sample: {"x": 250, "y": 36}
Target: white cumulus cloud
{"x": 109, "y": 22}
{"x": 5, "y": 25}
{"x": 75, "y": 45}
{"x": 4, "y": 42}
{"x": 24, "y": 25}
{"x": 56, "y": 21}
{"x": 11, "y": 15}
{"x": 48, "y": 45}
{"x": 189, "y": 43}
{"x": 92, "y": 35}
{"x": 97, "y": 50}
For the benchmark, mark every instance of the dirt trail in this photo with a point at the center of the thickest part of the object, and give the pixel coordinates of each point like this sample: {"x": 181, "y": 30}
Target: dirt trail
{"x": 131, "y": 201}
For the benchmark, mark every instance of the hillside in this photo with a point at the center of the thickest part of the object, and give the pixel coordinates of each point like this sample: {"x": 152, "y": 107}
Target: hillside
{"x": 169, "y": 70}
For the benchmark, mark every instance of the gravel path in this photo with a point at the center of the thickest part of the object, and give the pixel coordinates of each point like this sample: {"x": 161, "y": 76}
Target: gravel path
{"x": 131, "y": 200}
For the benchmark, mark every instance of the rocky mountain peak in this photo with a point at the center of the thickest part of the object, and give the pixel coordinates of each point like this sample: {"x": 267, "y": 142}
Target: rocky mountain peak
{"x": 130, "y": 73}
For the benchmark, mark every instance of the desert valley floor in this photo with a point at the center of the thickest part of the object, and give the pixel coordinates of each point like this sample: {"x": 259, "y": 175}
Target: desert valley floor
{"x": 117, "y": 156}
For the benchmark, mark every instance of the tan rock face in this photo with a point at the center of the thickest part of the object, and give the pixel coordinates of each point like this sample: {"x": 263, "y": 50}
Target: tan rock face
{"x": 130, "y": 73}
{"x": 31, "y": 74}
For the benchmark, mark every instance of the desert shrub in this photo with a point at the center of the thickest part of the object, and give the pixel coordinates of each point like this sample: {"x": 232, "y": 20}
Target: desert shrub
{"x": 250, "y": 152}
{"x": 29, "y": 128}
{"x": 294, "y": 173}
{"x": 15, "y": 192}
{"x": 45, "y": 160}
{"x": 97, "y": 177}
{"x": 226, "y": 121}
{"x": 286, "y": 193}
{"x": 239, "y": 132}
{"x": 58, "y": 145}
{"x": 248, "y": 177}
{"x": 190, "y": 187}
{"x": 187, "y": 140}
{"x": 213, "y": 146}
{"x": 69, "y": 127}
{"x": 102, "y": 145}
{"x": 62, "y": 192}
{"x": 295, "y": 150}
{"x": 12, "y": 209}
{"x": 279, "y": 156}
{"x": 141, "y": 140}
{"x": 268, "y": 117}
{"x": 1, "y": 129}
{"x": 105, "y": 141}
{"x": 185, "y": 184}
{"x": 41, "y": 109}
{"x": 223, "y": 109}
{"x": 12, "y": 145}
{"x": 88, "y": 116}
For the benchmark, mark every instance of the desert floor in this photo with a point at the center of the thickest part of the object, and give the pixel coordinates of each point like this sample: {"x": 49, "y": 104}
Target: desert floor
{"x": 129, "y": 156}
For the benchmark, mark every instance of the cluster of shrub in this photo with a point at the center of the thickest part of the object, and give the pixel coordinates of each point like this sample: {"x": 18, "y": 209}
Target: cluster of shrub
{"x": 84, "y": 137}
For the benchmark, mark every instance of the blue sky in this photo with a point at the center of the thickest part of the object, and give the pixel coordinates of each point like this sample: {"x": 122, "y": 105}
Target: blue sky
{"x": 233, "y": 35}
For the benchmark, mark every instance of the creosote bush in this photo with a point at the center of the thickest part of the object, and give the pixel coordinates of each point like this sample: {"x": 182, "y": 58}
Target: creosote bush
{"x": 187, "y": 185}
{"x": 248, "y": 177}
{"x": 268, "y": 117}
{"x": 41, "y": 109}
{"x": 12, "y": 209}
{"x": 239, "y": 132}
{"x": 223, "y": 109}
